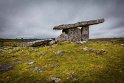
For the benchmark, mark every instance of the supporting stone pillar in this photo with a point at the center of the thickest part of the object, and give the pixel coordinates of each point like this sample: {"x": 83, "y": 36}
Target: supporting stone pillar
{"x": 85, "y": 33}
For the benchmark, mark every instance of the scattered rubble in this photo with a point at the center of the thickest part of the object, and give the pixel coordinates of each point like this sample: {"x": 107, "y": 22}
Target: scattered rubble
{"x": 98, "y": 52}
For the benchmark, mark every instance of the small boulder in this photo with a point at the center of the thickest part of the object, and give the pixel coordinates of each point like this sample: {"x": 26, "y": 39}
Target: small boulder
{"x": 19, "y": 62}
{"x": 97, "y": 52}
{"x": 82, "y": 42}
{"x": 85, "y": 49}
{"x": 122, "y": 44}
{"x": 43, "y": 53}
{"x": 36, "y": 69}
{"x": 36, "y": 50}
{"x": 60, "y": 52}
{"x": 5, "y": 67}
{"x": 101, "y": 52}
{"x": 55, "y": 79}
{"x": 27, "y": 53}
{"x": 31, "y": 62}
{"x": 43, "y": 42}
{"x": 52, "y": 42}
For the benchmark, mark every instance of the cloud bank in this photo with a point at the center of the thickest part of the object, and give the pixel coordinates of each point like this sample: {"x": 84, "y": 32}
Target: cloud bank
{"x": 36, "y": 18}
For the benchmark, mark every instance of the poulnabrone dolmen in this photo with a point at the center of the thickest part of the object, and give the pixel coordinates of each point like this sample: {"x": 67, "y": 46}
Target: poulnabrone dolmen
{"x": 76, "y": 32}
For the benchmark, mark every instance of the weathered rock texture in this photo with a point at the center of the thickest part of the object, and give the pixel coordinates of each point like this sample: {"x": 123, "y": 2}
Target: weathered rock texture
{"x": 5, "y": 67}
{"x": 76, "y": 32}
{"x": 45, "y": 42}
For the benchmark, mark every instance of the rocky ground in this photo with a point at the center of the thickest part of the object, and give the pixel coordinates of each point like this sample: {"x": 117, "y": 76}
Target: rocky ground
{"x": 95, "y": 61}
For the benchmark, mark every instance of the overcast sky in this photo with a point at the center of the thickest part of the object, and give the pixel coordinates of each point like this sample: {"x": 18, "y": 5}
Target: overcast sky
{"x": 36, "y": 18}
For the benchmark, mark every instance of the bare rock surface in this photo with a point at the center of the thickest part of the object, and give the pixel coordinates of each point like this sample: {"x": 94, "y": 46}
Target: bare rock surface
{"x": 81, "y": 42}
{"x": 98, "y": 52}
{"x": 55, "y": 79}
{"x": 37, "y": 69}
{"x": 60, "y": 52}
{"x": 52, "y": 42}
{"x": 19, "y": 62}
{"x": 43, "y": 53}
{"x": 36, "y": 50}
{"x": 6, "y": 67}
{"x": 122, "y": 44}
{"x": 31, "y": 62}
{"x": 43, "y": 42}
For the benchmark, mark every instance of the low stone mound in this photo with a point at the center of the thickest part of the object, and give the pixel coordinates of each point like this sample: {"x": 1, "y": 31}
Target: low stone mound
{"x": 45, "y": 42}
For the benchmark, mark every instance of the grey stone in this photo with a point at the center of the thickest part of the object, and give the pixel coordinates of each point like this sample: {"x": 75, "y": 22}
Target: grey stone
{"x": 52, "y": 42}
{"x": 43, "y": 53}
{"x": 55, "y": 79}
{"x": 49, "y": 47}
{"x": 27, "y": 53}
{"x": 36, "y": 69}
{"x": 62, "y": 37}
{"x": 6, "y": 48}
{"x": 60, "y": 52}
{"x": 85, "y": 49}
{"x": 5, "y": 67}
{"x": 122, "y": 44}
{"x": 78, "y": 24}
{"x": 19, "y": 62}
{"x": 45, "y": 42}
{"x": 97, "y": 52}
{"x": 2, "y": 55}
{"x": 76, "y": 32}
{"x": 31, "y": 62}
{"x": 81, "y": 42}
{"x": 36, "y": 50}
{"x": 74, "y": 79}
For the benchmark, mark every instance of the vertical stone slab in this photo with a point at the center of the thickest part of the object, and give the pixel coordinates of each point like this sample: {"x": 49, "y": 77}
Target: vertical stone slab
{"x": 74, "y": 34}
{"x": 63, "y": 37}
{"x": 85, "y": 33}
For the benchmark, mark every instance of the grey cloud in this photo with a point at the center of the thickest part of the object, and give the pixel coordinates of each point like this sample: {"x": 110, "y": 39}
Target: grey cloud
{"x": 36, "y": 18}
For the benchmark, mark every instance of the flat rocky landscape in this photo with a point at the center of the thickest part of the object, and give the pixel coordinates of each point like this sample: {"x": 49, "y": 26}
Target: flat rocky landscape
{"x": 95, "y": 61}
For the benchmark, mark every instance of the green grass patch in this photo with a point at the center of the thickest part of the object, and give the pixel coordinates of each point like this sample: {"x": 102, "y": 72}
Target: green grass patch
{"x": 72, "y": 65}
